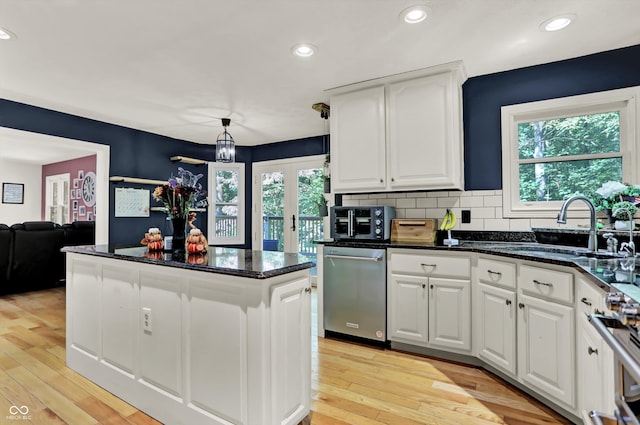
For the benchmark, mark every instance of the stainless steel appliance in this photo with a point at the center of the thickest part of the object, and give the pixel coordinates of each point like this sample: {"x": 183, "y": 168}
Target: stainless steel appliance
{"x": 620, "y": 331}
{"x": 355, "y": 293}
{"x": 369, "y": 223}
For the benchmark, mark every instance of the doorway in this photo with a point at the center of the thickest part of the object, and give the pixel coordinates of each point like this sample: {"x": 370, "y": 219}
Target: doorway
{"x": 287, "y": 197}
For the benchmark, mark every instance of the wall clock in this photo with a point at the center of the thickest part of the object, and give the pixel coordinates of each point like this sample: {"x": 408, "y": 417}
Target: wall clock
{"x": 89, "y": 189}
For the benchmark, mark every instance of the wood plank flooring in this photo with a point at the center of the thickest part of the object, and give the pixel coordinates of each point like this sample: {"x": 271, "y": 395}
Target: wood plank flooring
{"x": 352, "y": 384}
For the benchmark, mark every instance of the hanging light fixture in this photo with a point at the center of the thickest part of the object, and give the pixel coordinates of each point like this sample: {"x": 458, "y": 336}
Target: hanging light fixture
{"x": 225, "y": 146}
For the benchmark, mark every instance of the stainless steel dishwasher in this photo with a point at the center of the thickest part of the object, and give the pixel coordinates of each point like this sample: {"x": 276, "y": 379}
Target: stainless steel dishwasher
{"x": 355, "y": 292}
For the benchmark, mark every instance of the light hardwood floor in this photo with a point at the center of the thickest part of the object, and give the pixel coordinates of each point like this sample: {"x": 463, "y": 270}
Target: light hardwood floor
{"x": 352, "y": 384}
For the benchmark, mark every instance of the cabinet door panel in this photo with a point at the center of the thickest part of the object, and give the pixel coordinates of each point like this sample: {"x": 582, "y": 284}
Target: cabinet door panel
{"x": 546, "y": 348}
{"x": 291, "y": 351}
{"x": 424, "y": 142}
{"x": 450, "y": 313}
{"x": 497, "y": 327}
{"x": 407, "y": 310}
{"x": 358, "y": 160}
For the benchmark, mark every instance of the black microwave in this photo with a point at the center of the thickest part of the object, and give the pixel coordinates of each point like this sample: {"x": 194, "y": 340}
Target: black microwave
{"x": 369, "y": 223}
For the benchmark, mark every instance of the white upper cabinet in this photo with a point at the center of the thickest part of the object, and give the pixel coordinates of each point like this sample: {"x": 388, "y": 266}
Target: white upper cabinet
{"x": 358, "y": 160}
{"x": 402, "y": 132}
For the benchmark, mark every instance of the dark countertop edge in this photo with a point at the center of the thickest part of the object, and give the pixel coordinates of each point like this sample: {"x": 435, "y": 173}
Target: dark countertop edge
{"x": 196, "y": 267}
{"x": 472, "y": 246}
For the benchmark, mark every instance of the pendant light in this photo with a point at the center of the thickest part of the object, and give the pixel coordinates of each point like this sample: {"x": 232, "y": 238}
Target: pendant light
{"x": 225, "y": 146}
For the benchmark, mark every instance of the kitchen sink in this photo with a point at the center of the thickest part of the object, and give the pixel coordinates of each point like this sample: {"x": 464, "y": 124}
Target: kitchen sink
{"x": 552, "y": 251}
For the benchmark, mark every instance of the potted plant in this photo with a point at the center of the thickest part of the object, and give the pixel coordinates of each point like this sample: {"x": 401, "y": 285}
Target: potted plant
{"x": 613, "y": 192}
{"x": 326, "y": 174}
{"x": 621, "y": 216}
{"x": 323, "y": 209}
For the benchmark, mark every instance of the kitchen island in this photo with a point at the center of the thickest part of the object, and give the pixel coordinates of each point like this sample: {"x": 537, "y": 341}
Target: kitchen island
{"x": 217, "y": 338}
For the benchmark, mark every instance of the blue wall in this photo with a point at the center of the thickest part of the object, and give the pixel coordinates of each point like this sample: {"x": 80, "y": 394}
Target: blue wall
{"x": 483, "y": 96}
{"x": 142, "y": 154}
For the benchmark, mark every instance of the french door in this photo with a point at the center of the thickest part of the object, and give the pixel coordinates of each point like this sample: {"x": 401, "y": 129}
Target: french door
{"x": 286, "y": 197}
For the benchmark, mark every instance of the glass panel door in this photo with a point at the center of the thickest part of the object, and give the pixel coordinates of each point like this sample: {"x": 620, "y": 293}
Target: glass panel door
{"x": 310, "y": 203}
{"x": 289, "y": 194}
{"x": 273, "y": 212}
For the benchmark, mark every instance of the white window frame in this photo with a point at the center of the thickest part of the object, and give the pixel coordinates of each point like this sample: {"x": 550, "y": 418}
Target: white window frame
{"x": 623, "y": 100}
{"x": 237, "y": 167}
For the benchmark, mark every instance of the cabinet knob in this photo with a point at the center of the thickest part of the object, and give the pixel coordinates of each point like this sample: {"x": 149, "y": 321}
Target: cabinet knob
{"x": 381, "y": 181}
{"x": 393, "y": 179}
{"x": 507, "y": 302}
{"x": 424, "y": 285}
{"x": 520, "y": 305}
{"x": 307, "y": 290}
{"x": 592, "y": 351}
{"x": 431, "y": 286}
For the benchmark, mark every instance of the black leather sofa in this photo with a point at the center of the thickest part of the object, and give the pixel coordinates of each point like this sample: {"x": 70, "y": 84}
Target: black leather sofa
{"x": 30, "y": 256}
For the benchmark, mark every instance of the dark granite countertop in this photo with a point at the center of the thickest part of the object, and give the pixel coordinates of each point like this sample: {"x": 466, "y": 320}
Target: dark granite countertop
{"x": 231, "y": 261}
{"x": 595, "y": 266}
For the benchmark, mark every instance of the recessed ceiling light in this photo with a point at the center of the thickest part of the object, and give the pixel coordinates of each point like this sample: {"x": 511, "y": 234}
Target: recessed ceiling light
{"x": 557, "y": 22}
{"x": 415, "y": 14}
{"x": 6, "y": 34}
{"x": 304, "y": 50}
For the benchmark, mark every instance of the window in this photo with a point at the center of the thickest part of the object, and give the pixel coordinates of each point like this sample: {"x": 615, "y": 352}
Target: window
{"x": 557, "y": 148}
{"x": 226, "y": 199}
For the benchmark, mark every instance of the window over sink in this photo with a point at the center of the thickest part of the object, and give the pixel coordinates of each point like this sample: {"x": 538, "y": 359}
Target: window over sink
{"x": 556, "y": 148}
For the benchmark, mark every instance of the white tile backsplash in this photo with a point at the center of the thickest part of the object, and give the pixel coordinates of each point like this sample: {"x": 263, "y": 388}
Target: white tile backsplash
{"x": 485, "y": 207}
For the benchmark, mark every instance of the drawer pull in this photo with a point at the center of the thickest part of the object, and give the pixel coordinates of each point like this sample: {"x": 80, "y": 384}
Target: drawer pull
{"x": 537, "y": 282}
{"x": 586, "y": 301}
{"x": 428, "y": 265}
{"x": 495, "y": 273}
{"x": 592, "y": 351}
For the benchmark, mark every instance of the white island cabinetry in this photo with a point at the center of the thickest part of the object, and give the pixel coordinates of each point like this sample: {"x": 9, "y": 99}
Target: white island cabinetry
{"x": 192, "y": 346}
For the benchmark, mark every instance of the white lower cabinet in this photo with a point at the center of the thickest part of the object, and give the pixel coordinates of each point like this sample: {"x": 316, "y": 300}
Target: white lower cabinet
{"x": 594, "y": 357}
{"x": 429, "y": 300}
{"x": 450, "y": 313}
{"x": 546, "y": 349}
{"x": 408, "y": 307}
{"x": 529, "y": 321}
{"x": 496, "y": 328}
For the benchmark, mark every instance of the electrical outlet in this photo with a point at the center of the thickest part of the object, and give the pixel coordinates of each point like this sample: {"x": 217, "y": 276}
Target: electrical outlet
{"x": 466, "y": 216}
{"x": 147, "y": 323}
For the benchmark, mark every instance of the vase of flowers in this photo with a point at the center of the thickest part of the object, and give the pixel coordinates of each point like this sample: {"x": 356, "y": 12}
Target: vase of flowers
{"x": 180, "y": 195}
{"x": 612, "y": 193}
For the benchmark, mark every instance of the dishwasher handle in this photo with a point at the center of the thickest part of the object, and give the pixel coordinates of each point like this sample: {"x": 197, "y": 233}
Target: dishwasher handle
{"x": 353, "y": 257}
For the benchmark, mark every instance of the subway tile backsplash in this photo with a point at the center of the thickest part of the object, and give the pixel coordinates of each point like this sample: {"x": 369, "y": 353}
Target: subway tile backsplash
{"x": 485, "y": 207}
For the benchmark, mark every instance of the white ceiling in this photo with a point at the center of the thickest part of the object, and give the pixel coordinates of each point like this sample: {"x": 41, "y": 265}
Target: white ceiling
{"x": 174, "y": 67}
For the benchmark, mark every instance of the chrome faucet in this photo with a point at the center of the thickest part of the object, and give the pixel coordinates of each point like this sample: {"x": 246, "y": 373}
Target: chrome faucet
{"x": 629, "y": 247}
{"x": 562, "y": 219}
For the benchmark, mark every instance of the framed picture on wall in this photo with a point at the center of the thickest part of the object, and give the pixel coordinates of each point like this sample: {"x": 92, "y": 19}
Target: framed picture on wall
{"x": 78, "y": 193}
{"x": 72, "y": 194}
{"x": 82, "y": 210}
{"x": 89, "y": 216}
{"x": 12, "y": 193}
{"x": 80, "y": 174}
{"x": 75, "y": 216}
{"x": 75, "y": 205}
